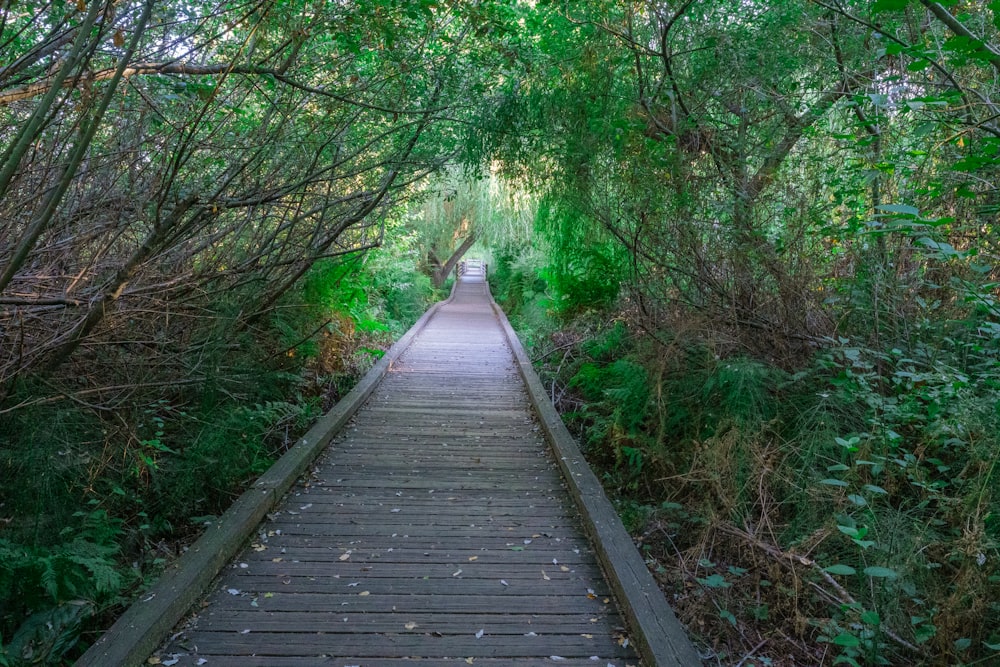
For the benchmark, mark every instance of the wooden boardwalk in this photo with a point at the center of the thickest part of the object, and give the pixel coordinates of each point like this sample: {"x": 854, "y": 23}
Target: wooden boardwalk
{"x": 436, "y": 529}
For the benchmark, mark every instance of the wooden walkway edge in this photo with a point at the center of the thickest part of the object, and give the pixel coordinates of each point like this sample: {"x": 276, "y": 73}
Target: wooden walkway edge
{"x": 145, "y": 624}
{"x": 660, "y": 638}
{"x": 431, "y": 489}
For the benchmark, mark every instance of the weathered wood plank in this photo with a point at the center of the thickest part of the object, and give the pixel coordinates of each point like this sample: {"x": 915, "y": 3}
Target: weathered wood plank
{"x": 326, "y": 661}
{"x": 403, "y": 645}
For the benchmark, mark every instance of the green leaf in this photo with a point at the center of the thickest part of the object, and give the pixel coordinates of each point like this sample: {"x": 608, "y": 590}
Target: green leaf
{"x": 880, "y": 572}
{"x": 714, "y": 581}
{"x": 992, "y": 647}
{"x": 857, "y": 500}
{"x": 871, "y": 618}
{"x": 876, "y": 489}
{"x": 962, "y": 644}
{"x": 902, "y": 209}
{"x": 833, "y": 482}
{"x": 890, "y": 5}
{"x": 847, "y": 640}
{"x": 840, "y": 568}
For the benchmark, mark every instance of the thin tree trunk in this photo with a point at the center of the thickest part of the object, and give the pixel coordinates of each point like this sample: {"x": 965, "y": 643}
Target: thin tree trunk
{"x": 441, "y": 273}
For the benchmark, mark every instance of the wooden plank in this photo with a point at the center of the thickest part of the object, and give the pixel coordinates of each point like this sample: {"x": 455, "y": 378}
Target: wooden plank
{"x": 422, "y": 622}
{"x": 187, "y": 660}
{"x": 403, "y": 645}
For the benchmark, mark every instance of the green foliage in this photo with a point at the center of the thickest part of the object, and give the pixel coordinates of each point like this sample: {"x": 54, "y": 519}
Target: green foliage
{"x": 50, "y": 591}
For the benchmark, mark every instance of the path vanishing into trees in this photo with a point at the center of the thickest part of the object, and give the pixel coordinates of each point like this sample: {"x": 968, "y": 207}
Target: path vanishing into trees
{"x": 437, "y": 528}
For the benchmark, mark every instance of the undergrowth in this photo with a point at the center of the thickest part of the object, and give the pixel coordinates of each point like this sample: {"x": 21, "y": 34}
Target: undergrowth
{"x": 844, "y": 512}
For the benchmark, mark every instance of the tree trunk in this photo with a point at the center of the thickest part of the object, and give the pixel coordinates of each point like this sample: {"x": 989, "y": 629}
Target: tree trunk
{"x": 441, "y": 273}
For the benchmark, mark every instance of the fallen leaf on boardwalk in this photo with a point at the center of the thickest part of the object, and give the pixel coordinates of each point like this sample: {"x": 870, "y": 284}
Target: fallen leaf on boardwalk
{"x": 345, "y": 556}
{"x": 202, "y": 661}
{"x": 244, "y": 566}
{"x": 527, "y": 541}
{"x": 364, "y": 593}
{"x": 517, "y": 548}
{"x": 268, "y": 595}
{"x": 564, "y": 568}
{"x": 504, "y": 582}
{"x": 473, "y": 558}
{"x": 410, "y": 625}
{"x": 245, "y": 632}
{"x": 353, "y": 584}
{"x": 479, "y": 635}
{"x": 530, "y": 634}
{"x": 590, "y": 594}
{"x": 233, "y": 591}
{"x": 556, "y": 658}
{"x": 455, "y": 574}
{"x": 394, "y": 510}
{"x": 469, "y": 661}
{"x": 555, "y": 562}
{"x": 153, "y": 661}
{"x": 277, "y": 560}
{"x": 545, "y": 576}
{"x": 306, "y": 506}
{"x": 606, "y": 600}
{"x": 587, "y": 636}
{"x": 259, "y": 547}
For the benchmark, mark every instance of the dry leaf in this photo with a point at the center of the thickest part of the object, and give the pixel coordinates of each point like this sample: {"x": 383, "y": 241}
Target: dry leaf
{"x": 345, "y": 556}
{"x": 410, "y": 625}
{"x": 364, "y": 593}
{"x": 471, "y": 558}
{"x": 545, "y": 576}
{"x": 479, "y": 635}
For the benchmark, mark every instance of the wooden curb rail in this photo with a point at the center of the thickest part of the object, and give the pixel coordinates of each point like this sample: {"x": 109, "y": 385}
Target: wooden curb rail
{"x": 658, "y": 636}
{"x": 145, "y": 624}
